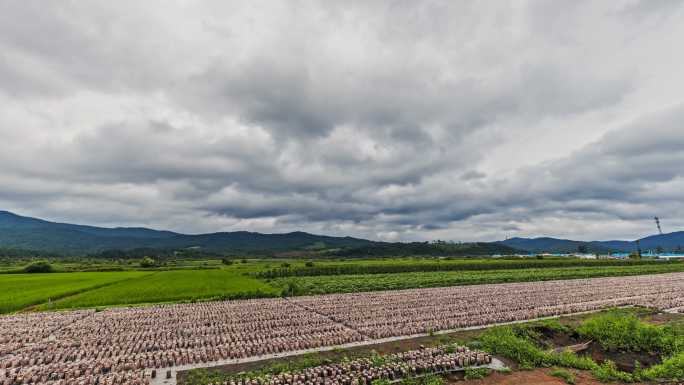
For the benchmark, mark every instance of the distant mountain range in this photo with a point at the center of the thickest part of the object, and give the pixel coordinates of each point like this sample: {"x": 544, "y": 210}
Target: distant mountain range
{"x": 669, "y": 242}
{"x": 31, "y": 234}
{"x": 19, "y": 232}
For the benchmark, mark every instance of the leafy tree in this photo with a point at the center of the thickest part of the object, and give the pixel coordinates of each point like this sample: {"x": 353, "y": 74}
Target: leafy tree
{"x": 39, "y": 267}
{"x": 148, "y": 262}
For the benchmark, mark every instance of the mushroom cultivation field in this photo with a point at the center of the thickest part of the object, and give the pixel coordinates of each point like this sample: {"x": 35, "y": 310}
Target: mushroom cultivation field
{"x": 406, "y": 312}
{"x": 365, "y": 371}
{"x": 117, "y": 346}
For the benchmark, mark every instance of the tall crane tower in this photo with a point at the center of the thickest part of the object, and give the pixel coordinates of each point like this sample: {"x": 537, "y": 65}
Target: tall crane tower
{"x": 657, "y": 220}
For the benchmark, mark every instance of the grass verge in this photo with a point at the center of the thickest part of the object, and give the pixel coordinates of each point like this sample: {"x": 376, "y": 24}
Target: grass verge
{"x": 617, "y": 329}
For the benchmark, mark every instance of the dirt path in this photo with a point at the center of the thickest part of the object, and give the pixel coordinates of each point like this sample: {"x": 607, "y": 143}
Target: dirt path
{"x": 531, "y": 377}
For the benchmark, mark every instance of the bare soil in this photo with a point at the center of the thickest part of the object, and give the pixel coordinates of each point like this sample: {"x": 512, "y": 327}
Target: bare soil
{"x": 625, "y": 361}
{"x": 551, "y": 338}
{"x": 529, "y": 377}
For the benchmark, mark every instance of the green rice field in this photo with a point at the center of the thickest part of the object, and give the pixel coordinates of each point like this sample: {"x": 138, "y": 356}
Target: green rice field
{"x": 171, "y": 286}
{"x": 253, "y": 279}
{"x": 19, "y": 291}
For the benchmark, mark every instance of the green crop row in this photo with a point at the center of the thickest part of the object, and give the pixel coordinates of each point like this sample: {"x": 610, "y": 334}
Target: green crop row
{"x": 374, "y": 282}
{"x": 431, "y": 265}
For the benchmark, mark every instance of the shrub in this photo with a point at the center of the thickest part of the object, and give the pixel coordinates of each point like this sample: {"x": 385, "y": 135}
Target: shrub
{"x": 309, "y": 264}
{"x": 608, "y": 372}
{"x": 376, "y": 359}
{"x": 563, "y": 374}
{"x": 409, "y": 380}
{"x": 568, "y": 359}
{"x": 148, "y": 262}
{"x": 503, "y": 341}
{"x": 226, "y": 261}
{"x": 672, "y": 340}
{"x": 552, "y": 324}
{"x": 476, "y": 373}
{"x": 433, "y": 380}
{"x": 670, "y": 369}
{"x": 39, "y": 267}
{"x": 622, "y": 330}
{"x": 291, "y": 288}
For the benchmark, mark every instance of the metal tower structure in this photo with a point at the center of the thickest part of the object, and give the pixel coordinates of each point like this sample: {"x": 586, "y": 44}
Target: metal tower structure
{"x": 657, "y": 220}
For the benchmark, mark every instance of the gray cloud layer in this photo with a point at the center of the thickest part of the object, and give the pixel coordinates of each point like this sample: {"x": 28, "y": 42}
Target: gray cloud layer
{"x": 388, "y": 120}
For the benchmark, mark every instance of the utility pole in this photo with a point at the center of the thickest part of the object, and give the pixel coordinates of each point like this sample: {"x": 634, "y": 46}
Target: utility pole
{"x": 657, "y": 220}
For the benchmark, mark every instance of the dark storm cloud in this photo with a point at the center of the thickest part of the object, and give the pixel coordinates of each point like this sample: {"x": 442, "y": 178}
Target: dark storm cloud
{"x": 299, "y": 100}
{"x": 397, "y": 120}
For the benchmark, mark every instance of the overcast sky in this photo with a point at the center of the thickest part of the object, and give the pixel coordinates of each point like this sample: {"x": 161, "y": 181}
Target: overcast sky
{"x": 397, "y": 120}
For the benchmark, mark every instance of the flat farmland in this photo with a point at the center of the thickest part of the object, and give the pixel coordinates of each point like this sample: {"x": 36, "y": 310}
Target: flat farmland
{"x": 119, "y": 345}
{"x": 258, "y": 279}
{"x": 171, "y": 286}
{"x": 408, "y": 265}
{"x": 18, "y": 291}
{"x": 405, "y": 312}
{"x": 351, "y": 283}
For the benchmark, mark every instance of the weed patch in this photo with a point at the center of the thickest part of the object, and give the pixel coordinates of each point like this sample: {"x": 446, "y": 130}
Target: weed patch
{"x": 563, "y": 374}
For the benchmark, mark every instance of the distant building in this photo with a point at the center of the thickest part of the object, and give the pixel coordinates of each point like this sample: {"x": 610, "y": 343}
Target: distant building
{"x": 651, "y": 254}
{"x": 619, "y": 255}
{"x": 666, "y": 255}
